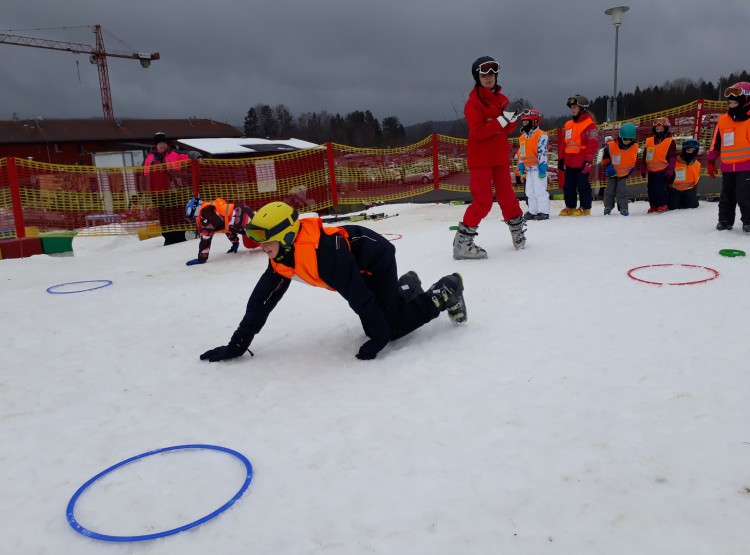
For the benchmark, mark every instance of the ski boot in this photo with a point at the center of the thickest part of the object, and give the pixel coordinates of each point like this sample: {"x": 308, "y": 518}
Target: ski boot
{"x": 542, "y": 216}
{"x": 516, "y": 226}
{"x": 529, "y": 216}
{"x": 409, "y": 285}
{"x": 447, "y": 294}
{"x": 723, "y": 226}
{"x": 463, "y": 244}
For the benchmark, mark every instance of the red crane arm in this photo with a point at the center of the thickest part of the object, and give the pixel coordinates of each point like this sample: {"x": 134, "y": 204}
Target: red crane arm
{"x": 98, "y": 56}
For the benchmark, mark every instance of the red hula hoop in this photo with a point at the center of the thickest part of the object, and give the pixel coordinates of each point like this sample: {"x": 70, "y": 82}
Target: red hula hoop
{"x": 714, "y": 273}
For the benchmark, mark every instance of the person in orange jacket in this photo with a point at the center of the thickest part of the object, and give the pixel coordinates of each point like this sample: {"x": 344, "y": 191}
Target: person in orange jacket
{"x": 658, "y": 162}
{"x": 683, "y": 190}
{"x": 218, "y": 216}
{"x": 488, "y": 157}
{"x": 731, "y": 146}
{"x": 352, "y": 260}
{"x": 575, "y": 156}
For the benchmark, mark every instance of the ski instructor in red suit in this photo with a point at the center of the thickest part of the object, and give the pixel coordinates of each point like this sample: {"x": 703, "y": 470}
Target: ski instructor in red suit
{"x": 489, "y": 124}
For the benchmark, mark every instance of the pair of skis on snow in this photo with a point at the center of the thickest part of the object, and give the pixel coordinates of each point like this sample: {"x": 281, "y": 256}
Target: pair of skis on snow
{"x": 357, "y": 217}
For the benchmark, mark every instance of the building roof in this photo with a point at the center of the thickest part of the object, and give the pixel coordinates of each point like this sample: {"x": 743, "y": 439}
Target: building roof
{"x": 225, "y": 146}
{"x": 77, "y": 130}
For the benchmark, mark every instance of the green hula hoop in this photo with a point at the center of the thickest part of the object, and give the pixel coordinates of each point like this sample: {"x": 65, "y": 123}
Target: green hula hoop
{"x": 731, "y": 252}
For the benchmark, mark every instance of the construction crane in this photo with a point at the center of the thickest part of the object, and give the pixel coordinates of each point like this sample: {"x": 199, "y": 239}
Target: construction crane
{"x": 97, "y": 55}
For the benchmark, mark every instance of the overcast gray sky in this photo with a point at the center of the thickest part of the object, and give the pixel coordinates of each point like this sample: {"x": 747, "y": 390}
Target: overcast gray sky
{"x": 407, "y": 58}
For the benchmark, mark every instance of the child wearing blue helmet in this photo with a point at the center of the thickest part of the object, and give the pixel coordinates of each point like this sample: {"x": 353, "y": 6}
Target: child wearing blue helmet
{"x": 620, "y": 158}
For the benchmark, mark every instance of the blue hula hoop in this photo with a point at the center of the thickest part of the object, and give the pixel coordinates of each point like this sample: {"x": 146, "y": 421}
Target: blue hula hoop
{"x": 97, "y": 536}
{"x": 104, "y": 282}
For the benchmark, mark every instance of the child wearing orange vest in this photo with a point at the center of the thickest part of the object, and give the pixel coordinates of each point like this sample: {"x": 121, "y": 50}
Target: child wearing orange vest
{"x": 659, "y": 158}
{"x": 354, "y": 261}
{"x": 218, "y": 216}
{"x": 731, "y": 145}
{"x": 683, "y": 191}
{"x": 533, "y": 165}
{"x": 576, "y": 154}
{"x": 620, "y": 157}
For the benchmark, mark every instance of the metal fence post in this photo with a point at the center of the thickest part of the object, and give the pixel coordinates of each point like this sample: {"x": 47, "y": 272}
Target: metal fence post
{"x": 332, "y": 176}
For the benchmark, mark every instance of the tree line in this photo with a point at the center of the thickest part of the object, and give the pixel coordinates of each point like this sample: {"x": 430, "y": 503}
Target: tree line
{"x": 361, "y": 129}
{"x": 358, "y": 128}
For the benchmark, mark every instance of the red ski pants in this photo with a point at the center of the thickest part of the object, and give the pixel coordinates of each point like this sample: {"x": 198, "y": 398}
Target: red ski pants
{"x": 481, "y": 181}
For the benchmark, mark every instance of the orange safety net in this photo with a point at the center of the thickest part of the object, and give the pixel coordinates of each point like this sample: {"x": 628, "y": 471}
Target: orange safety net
{"x": 65, "y": 200}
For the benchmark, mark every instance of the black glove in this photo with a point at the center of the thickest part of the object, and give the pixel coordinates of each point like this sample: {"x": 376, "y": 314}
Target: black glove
{"x": 370, "y": 350}
{"x": 237, "y": 347}
{"x": 233, "y": 248}
{"x": 561, "y": 165}
{"x": 516, "y": 106}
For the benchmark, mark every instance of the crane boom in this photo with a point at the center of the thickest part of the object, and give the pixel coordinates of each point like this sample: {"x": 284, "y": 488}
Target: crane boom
{"x": 98, "y": 55}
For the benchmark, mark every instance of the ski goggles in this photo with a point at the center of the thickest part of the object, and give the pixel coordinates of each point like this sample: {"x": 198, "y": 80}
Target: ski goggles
{"x": 488, "y": 67}
{"x": 263, "y": 235}
{"x": 735, "y": 91}
{"x": 664, "y": 122}
{"x": 573, "y": 101}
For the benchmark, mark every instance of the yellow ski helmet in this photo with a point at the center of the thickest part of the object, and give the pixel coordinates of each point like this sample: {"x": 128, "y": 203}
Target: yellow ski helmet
{"x": 276, "y": 221}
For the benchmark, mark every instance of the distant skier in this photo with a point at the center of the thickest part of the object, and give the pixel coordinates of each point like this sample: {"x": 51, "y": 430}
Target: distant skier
{"x": 620, "y": 158}
{"x": 354, "y": 261}
{"x": 659, "y": 159}
{"x": 731, "y": 145}
{"x": 532, "y": 150}
{"x": 683, "y": 191}
{"x": 218, "y": 216}
{"x": 162, "y": 179}
{"x": 575, "y": 157}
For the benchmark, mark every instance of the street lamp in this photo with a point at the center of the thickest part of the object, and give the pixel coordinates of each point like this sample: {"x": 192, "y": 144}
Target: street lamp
{"x": 616, "y": 14}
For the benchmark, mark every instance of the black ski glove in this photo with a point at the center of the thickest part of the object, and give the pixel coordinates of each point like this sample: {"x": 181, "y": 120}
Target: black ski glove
{"x": 370, "y": 350}
{"x": 236, "y": 348}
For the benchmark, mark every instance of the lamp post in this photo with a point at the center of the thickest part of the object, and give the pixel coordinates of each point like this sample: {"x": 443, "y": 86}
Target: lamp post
{"x": 616, "y": 14}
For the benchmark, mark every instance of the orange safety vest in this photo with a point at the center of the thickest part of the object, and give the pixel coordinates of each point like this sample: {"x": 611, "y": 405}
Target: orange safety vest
{"x": 223, "y": 209}
{"x": 656, "y": 155}
{"x": 305, "y": 252}
{"x": 573, "y": 132}
{"x": 623, "y": 160}
{"x": 686, "y": 177}
{"x": 528, "y": 148}
{"x": 735, "y": 139}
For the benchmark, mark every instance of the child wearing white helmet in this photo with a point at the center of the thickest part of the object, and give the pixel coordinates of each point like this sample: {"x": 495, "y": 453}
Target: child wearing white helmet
{"x": 731, "y": 146}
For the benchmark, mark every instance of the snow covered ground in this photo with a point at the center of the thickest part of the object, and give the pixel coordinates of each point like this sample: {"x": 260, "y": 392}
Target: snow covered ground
{"x": 577, "y": 411}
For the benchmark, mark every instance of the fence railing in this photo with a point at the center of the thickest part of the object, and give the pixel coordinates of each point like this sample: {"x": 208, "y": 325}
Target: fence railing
{"x": 64, "y": 199}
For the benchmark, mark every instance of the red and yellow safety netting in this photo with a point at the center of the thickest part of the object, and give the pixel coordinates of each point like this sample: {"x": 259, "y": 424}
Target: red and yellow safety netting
{"x": 65, "y": 199}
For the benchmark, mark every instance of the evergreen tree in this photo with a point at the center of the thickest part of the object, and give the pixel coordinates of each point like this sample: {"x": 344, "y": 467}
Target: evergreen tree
{"x": 285, "y": 121}
{"x": 251, "y": 123}
{"x": 268, "y": 127}
{"x": 393, "y": 132}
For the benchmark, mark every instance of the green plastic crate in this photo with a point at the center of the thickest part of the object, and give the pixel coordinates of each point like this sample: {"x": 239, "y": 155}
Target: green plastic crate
{"x": 51, "y": 245}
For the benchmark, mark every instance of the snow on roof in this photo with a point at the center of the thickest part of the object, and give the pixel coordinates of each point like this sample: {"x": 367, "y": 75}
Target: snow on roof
{"x": 246, "y": 145}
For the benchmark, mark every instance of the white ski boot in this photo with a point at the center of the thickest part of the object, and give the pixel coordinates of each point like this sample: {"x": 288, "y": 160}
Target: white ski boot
{"x": 464, "y": 246}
